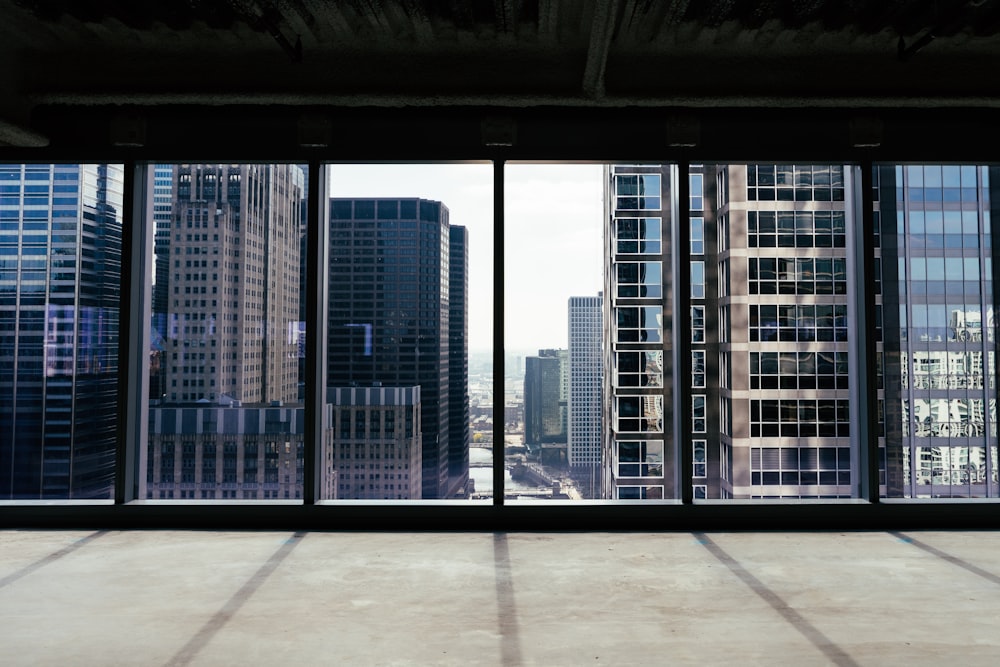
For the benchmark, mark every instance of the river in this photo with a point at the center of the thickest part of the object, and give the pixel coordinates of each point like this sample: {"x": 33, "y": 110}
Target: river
{"x": 484, "y": 475}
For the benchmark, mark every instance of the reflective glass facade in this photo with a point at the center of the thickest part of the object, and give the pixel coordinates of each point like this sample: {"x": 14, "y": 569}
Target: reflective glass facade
{"x": 60, "y": 274}
{"x": 389, "y": 319}
{"x": 939, "y": 330}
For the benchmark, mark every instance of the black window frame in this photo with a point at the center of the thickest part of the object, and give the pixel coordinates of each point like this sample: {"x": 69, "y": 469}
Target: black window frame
{"x": 83, "y": 135}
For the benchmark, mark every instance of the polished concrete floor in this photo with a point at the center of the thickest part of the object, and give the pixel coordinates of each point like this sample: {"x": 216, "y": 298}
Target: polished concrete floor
{"x": 266, "y": 598}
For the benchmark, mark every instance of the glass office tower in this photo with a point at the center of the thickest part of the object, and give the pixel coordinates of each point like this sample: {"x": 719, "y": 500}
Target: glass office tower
{"x": 60, "y": 272}
{"x": 938, "y": 314}
{"x": 390, "y": 319}
{"x": 544, "y": 398}
{"x": 458, "y": 357}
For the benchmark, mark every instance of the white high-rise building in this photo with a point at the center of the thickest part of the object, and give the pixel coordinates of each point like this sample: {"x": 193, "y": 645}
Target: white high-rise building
{"x": 584, "y": 426}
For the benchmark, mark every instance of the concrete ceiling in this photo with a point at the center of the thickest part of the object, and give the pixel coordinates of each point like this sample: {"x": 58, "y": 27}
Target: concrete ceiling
{"x": 494, "y": 53}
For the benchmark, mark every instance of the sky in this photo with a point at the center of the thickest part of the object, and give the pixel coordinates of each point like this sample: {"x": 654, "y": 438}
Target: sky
{"x": 552, "y": 237}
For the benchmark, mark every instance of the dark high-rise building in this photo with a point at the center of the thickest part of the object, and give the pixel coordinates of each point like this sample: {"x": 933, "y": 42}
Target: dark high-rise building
{"x": 60, "y": 276}
{"x": 458, "y": 353}
{"x": 544, "y": 398}
{"x": 390, "y": 311}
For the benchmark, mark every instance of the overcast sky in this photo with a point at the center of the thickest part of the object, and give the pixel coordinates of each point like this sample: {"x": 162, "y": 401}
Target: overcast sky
{"x": 553, "y": 237}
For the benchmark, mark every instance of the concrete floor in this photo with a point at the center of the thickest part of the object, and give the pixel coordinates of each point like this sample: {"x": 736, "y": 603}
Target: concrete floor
{"x": 263, "y": 598}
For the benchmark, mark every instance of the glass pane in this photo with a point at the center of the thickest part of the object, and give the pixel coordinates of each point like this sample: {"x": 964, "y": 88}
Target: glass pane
{"x": 939, "y": 401}
{"x": 60, "y": 276}
{"x": 637, "y": 447}
{"x": 777, "y": 399}
{"x": 409, "y": 340}
{"x": 553, "y": 317}
{"x": 226, "y": 360}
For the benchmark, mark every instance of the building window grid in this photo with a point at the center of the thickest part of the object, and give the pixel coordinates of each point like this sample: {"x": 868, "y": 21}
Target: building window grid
{"x": 796, "y": 229}
{"x": 799, "y": 323}
{"x": 799, "y": 370}
{"x": 699, "y": 465}
{"x": 637, "y": 192}
{"x": 800, "y": 418}
{"x": 800, "y": 466}
{"x": 771, "y": 182}
{"x": 797, "y": 275}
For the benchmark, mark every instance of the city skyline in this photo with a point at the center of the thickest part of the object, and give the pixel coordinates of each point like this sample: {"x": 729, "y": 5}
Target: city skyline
{"x": 770, "y": 405}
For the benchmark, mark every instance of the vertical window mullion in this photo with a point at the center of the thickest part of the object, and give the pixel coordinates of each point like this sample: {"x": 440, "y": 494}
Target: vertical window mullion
{"x": 994, "y": 194}
{"x": 317, "y": 259}
{"x": 682, "y": 332}
{"x": 498, "y": 333}
{"x": 864, "y": 385}
{"x": 133, "y": 338}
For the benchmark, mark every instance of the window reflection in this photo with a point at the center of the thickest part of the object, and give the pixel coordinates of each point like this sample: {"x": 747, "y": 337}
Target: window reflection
{"x": 60, "y": 277}
{"x": 939, "y": 340}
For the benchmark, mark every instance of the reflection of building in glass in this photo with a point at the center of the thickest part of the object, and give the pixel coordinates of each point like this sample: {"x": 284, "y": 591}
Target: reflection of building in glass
{"x": 939, "y": 361}
{"x": 389, "y": 318}
{"x": 584, "y": 404}
{"x": 373, "y": 448}
{"x": 60, "y": 271}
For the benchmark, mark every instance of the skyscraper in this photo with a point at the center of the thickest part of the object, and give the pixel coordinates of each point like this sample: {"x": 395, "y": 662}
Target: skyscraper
{"x": 584, "y": 405}
{"x": 234, "y": 284}
{"x": 544, "y": 398}
{"x": 775, "y": 384}
{"x": 227, "y": 424}
{"x": 458, "y": 357}
{"x": 939, "y": 330}
{"x": 637, "y": 433}
{"x": 60, "y": 275}
{"x": 770, "y": 301}
{"x": 374, "y": 450}
{"x": 777, "y": 277}
{"x": 163, "y": 206}
{"x": 390, "y": 312}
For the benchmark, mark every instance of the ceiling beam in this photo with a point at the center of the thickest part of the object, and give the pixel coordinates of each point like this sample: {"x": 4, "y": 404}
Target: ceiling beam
{"x": 601, "y": 31}
{"x": 20, "y": 136}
